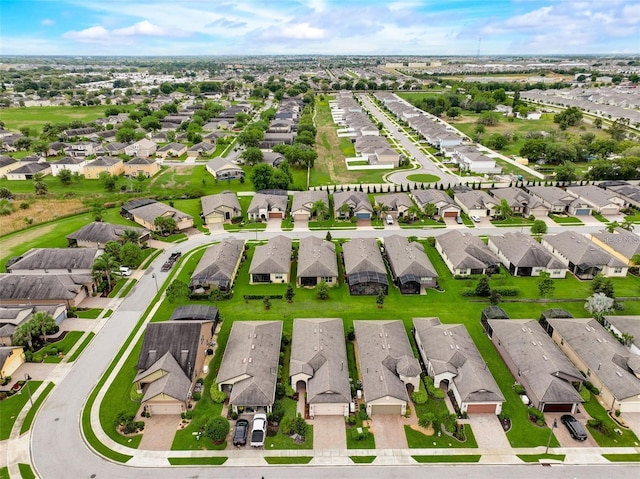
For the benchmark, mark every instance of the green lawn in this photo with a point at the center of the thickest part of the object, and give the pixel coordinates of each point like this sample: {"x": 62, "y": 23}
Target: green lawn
{"x": 28, "y": 420}
{"x": 197, "y": 461}
{"x": 88, "y": 313}
{"x": 622, "y": 457}
{"x": 362, "y": 459}
{"x": 81, "y": 348}
{"x": 26, "y": 472}
{"x": 423, "y": 178}
{"x": 514, "y": 221}
{"x": 597, "y": 411}
{"x": 539, "y": 457}
{"x": 566, "y": 220}
{"x": 417, "y": 440}
{"x": 4, "y": 472}
{"x": 11, "y": 407}
{"x": 282, "y": 441}
{"x": 447, "y": 458}
{"x": 49, "y": 354}
{"x": 289, "y": 460}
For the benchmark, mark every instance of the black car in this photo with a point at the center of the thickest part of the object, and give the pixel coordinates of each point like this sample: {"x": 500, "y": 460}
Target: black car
{"x": 575, "y": 428}
{"x": 240, "y": 432}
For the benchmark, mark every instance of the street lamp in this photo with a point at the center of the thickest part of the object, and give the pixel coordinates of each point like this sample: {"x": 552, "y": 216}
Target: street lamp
{"x": 153, "y": 275}
{"x": 555, "y": 425}
{"x": 27, "y": 378}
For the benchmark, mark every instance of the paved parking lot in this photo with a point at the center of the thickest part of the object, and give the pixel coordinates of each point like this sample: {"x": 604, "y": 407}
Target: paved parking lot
{"x": 329, "y": 432}
{"x": 388, "y": 430}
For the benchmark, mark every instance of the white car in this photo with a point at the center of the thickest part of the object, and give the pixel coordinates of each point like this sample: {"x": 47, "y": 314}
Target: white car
{"x": 475, "y": 218}
{"x": 389, "y": 219}
{"x": 124, "y": 271}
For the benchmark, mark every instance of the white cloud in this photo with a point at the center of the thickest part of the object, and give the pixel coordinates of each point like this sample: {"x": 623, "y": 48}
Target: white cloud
{"x": 302, "y": 31}
{"x": 47, "y": 22}
{"x": 144, "y": 27}
{"x": 99, "y": 34}
{"x": 91, "y": 34}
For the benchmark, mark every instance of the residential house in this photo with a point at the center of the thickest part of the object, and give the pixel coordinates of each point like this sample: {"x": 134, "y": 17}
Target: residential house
{"x": 303, "y": 202}
{"x": 272, "y": 158}
{"x": 267, "y": 205}
{"x": 271, "y": 262}
{"x": 554, "y": 198}
{"x": 452, "y": 360}
{"x": 143, "y": 148}
{"x": 70, "y": 163}
{"x": 111, "y": 149}
{"x": 548, "y": 377}
{"x": 627, "y": 328}
{"x": 520, "y": 202}
{"x": 604, "y": 202}
{"x": 218, "y": 267}
{"x": 223, "y": 169}
{"x": 524, "y": 256}
{"x": 629, "y": 193}
{"x": 272, "y": 139}
{"x": 477, "y": 202}
{"x": 103, "y": 164}
{"x": 364, "y": 267}
{"x": 81, "y": 150}
{"x": 11, "y": 358}
{"x": 12, "y": 317}
{"x": 171, "y": 359}
{"x": 78, "y": 132}
{"x": 583, "y": 257}
{"x": 201, "y": 149}
{"x": 145, "y": 211}
{"x": 54, "y": 261}
{"x": 319, "y": 364}
{"x": 7, "y": 164}
{"x": 28, "y": 171}
{"x": 141, "y": 166}
{"x": 388, "y": 368}
{"x": 97, "y": 234}
{"x": 622, "y": 244}
{"x": 220, "y": 208}
{"x": 171, "y": 150}
{"x": 445, "y": 206}
{"x": 56, "y": 148}
{"x": 348, "y": 204}
{"x": 39, "y": 289}
{"x": 466, "y": 254}
{"x": 394, "y": 204}
{"x": 196, "y": 312}
{"x": 607, "y": 364}
{"x": 317, "y": 262}
{"x": 410, "y": 267}
{"x": 249, "y": 369}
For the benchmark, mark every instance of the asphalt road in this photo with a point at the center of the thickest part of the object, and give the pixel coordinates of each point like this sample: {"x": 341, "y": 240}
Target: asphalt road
{"x": 58, "y": 450}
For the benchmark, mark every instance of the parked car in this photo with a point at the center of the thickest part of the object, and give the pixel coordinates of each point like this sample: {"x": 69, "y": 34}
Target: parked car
{"x": 240, "y": 432}
{"x": 259, "y": 430}
{"x": 475, "y": 218}
{"x": 459, "y": 220}
{"x": 575, "y": 428}
{"x": 389, "y": 219}
{"x": 124, "y": 271}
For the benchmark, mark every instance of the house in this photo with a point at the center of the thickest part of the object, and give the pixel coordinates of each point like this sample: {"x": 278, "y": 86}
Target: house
{"x": 171, "y": 358}
{"x": 520, "y": 202}
{"x": 70, "y": 163}
{"x": 141, "y": 166}
{"x": 465, "y": 254}
{"x": 171, "y": 150}
{"x": 271, "y": 262}
{"x": 143, "y": 148}
{"x": 54, "y": 261}
{"x": 604, "y": 202}
{"x": 554, "y": 198}
{"x": 145, "y": 211}
{"x": 626, "y": 328}
{"x": 111, "y": 149}
{"x": 81, "y": 150}
{"x": 7, "y": 164}
{"x": 269, "y": 205}
{"x": 622, "y": 244}
{"x": 394, "y": 204}
{"x": 78, "y": 132}
{"x": 477, "y": 202}
{"x": 389, "y": 370}
{"x": 249, "y": 369}
{"x": 524, "y": 256}
{"x": 29, "y": 170}
{"x": 195, "y": 312}
{"x": 452, "y": 359}
{"x": 319, "y": 364}
{"x": 445, "y": 206}
{"x": 218, "y": 267}
{"x": 629, "y": 193}
{"x": 410, "y": 267}
{"x": 223, "y": 169}
{"x": 11, "y": 358}
{"x": 272, "y": 158}
{"x": 201, "y": 149}
{"x": 35, "y": 289}
{"x": 364, "y": 267}
{"x": 607, "y": 364}
{"x": 348, "y": 204}
{"x": 56, "y": 148}
{"x": 548, "y": 377}
{"x": 272, "y": 139}
{"x": 303, "y": 203}
{"x": 103, "y": 164}
{"x": 12, "y": 317}
{"x": 583, "y": 257}
{"x": 97, "y": 234}
{"x": 220, "y": 208}
{"x": 317, "y": 262}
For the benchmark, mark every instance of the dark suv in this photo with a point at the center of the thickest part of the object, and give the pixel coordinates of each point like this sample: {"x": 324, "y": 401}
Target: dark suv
{"x": 575, "y": 428}
{"x": 240, "y": 433}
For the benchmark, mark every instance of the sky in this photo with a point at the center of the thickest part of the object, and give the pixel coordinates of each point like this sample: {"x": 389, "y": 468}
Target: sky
{"x": 331, "y": 27}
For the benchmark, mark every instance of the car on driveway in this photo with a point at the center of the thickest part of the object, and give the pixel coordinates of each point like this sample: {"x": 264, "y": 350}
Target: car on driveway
{"x": 459, "y": 220}
{"x": 475, "y": 218}
{"x": 575, "y": 428}
{"x": 259, "y": 430}
{"x": 389, "y": 219}
{"x": 240, "y": 432}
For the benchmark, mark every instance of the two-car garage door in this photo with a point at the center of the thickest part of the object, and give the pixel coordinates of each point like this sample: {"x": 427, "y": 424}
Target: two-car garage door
{"x": 167, "y": 408}
{"x": 329, "y": 409}
{"x": 386, "y": 409}
{"x": 481, "y": 409}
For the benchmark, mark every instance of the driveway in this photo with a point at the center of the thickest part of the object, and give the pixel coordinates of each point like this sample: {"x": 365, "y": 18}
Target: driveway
{"x": 329, "y": 432}
{"x": 488, "y": 431}
{"x": 274, "y": 224}
{"x": 562, "y": 433}
{"x": 591, "y": 221}
{"x": 632, "y": 419}
{"x": 388, "y": 431}
{"x": 159, "y": 431}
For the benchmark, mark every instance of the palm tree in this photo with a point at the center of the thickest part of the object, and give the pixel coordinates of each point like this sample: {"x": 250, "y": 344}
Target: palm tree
{"x": 430, "y": 210}
{"x": 345, "y": 209}
{"x": 105, "y": 266}
{"x": 611, "y": 227}
{"x": 320, "y": 210}
{"x": 382, "y": 210}
{"x": 23, "y": 335}
{"x": 504, "y": 209}
{"x": 627, "y": 225}
{"x": 130, "y": 236}
{"x": 41, "y": 322}
{"x": 414, "y": 212}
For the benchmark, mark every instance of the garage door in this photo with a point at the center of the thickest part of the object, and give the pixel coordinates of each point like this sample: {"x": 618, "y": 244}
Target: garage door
{"x": 328, "y": 409}
{"x": 630, "y": 406}
{"x": 300, "y": 217}
{"x": 212, "y": 220}
{"x": 609, "y": 211}
{"x": 481, "y": 409}
{"x": 450, "y": 214}
{"x": 583, "y": 211}
{"x": 386, "y": 409}
{"x": 275, "y": 214}
{"x": 557, "y": 408}
{"x": 165, "y": 408}
{"x": 363, "y": 216}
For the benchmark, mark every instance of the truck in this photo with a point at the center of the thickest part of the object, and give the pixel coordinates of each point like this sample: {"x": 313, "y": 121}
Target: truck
{"x": 258, "y": 430}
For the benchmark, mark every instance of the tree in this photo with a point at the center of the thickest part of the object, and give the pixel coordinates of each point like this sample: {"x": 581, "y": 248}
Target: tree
{"x": 504, "y": 209}
{"x": 266, "y": 302}
{"x": 130, "y": 254}
{"x": 598, "y": 304}
{"x": 252, "y": 155}
{"x": 495, "y": 297}
{"x": 65, "y": 176}
{"x": 414, "y": 212}
{"x": 611, "y": 227}
{"x": 130, "y": 236}
{"x": 323, "y": 291}
{"x": 345, "y": 210}
{"x": 557, "y": 153}
{"x": 546, "y": 286}
{"x": 602, "y": 284}
{"x": 635, "y": 259}
{"x": 539, "y": 227}
{"x": 217, "y": 429}
{"x": 112, "y": 248}
{"x": 627, "y": 225}
{"x": 320, "y": 210}
{"x": 289, "y": 294}
{"x": 566, "y": 172}
{"x": 483, "y": 289}
{"x": 125, "y": 135}
{"x": 251, "y": 136}
{"x": 426, "y": 420}
{"x": 97, "y": 211}
{"x": 151, "y": 123}
{"x": 165, "y": 224}
{"x": 23, "y": 335}
{"x": 104, "y": 267}
{"x": 177, "y": 291}
{"x": 108, "y": 181}
{"x": 41, "y": 188}
{"x": 43, "y": 323}
{"x": 380, "y": 298}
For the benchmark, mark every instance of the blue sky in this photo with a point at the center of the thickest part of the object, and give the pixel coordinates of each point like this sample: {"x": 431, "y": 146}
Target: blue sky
{"x": 240, "y": 27}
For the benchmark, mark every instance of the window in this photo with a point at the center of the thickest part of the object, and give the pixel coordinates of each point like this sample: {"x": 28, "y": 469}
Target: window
{"x": 617, "y": 270}
{"x": 327, "y": 279}
{"x": 278, "y": 276}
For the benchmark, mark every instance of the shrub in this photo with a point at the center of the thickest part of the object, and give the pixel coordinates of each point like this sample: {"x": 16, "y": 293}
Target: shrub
{"x": 431, "y": 241}
{"x": 234, "y": 415}
{"x": 590, "y": 387}
{"x": 419, "y": 397}
{"x": 450, "y": 421}
{"x": 217, "y": 428}
{"x": 351, "y": 420}
{"x": 187, "y": 415}
{"x": 217, "y": 396}
{"x": 197, "y": 396}
{"x": 536, "y": 416}
{"x": 426, "y": 420}
{"x": 280, "y": 391}
{"x": 359, "y": 434}
{"x": 432, "y": 391}
{"x": 507, "y": 290}
{"x": 468, "y": 292}
{"x": 519, "y": 389}
{"x": 277, "y": 412}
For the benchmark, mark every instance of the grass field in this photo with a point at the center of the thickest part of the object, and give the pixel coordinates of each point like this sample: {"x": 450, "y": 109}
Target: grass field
{"x": 539, "y": 457}
{"x": 423, "y": 178}
{"x": 49, "y": 354}
{"x": 289, "y": 460}
{"x": 11, "y": 407}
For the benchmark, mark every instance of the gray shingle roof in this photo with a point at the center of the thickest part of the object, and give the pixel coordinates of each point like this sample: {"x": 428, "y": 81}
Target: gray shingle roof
{"x": 268, "y": 202}
{"x": 98, "y": 232}
{"x": 252, "y": 353}
{"x": 273, "y": 257}
{"x": 592, "y": 194}
{"x": 449, "y": 348}
{"x": 385, "y": 354}
{"x": 316, "y": 258}
{"x": 622, "y": 241}
{"x": 173, "y": 382}
{"x": 436, "y": 197}
{"x": 42, "y": 286}
{"x": 362, "y": 255}
{"x": 106, "y": 161}
{"x": 151, "y": 211}
{"x": 476, "y": 199}
{"x": 394, "y": 200}
{"x": 516, "y": 197}
{"x": 581, "y": 251}
{"x": 466, "y": 251}
{"x": 626, "y": 324}
{"x": 195, "y": 312}
{"x": 306, "y": 199}
{"x": 525, "y": 252}
{"x": 602, "y": 353}
{"x": 552, "y": 194}
{"x": 318, "y": 349}
{"x": 212, "y": 203}
{"x": 357, "y": 200}
{"x": 56, "y": 258}
{"x": 408, "y": 259}
{"x": 218, "y": 263}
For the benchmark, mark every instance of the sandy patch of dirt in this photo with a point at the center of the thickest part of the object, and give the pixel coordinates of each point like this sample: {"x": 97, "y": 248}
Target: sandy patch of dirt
{"x": 428, "y": 431}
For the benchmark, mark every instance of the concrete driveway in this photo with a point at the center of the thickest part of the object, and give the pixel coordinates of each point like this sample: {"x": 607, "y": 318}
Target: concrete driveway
{"x": 632, "y": 419}
{"x": 488, "y": 431}
{"x": 388, "y": 431}
{"x": 562, "y": 433}
{"x": 159, "y": 432}
{"x": 329, "y": 432}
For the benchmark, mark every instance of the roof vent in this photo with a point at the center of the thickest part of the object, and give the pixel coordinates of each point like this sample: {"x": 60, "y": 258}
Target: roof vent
{"x": 533, "y": 342}
{"x": 599, "y": 340}
{"x": 451, "y": 346}
{"x": 545, "y": 357}
{"x": 250, "y": 360}
{"x": 253, "y": 346}
{"x": 381, "y": 378}
{"x": 524, "y": 330}
{"x": 619, "y": 373}
{"x": 444, "y": 332}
